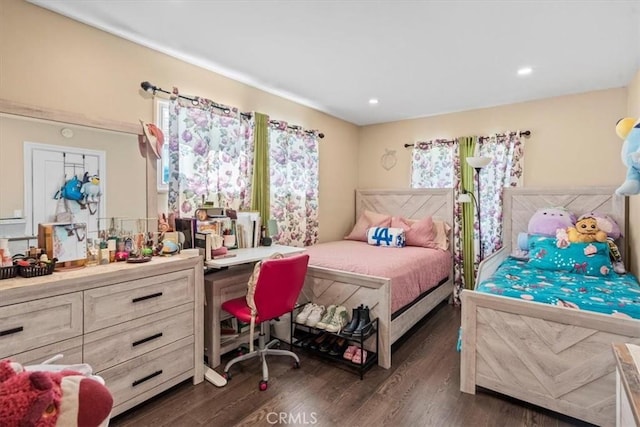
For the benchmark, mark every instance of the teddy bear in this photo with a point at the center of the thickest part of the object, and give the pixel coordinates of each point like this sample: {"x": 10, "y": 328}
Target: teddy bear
{"x": 586, "y": 231}
{"x": 629, "y": 130}
{"x": 51, "y": 398}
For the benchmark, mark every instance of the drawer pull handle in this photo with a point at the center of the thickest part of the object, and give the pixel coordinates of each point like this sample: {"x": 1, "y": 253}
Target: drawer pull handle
{"x": 147, "y": 339}
{"x": 11, "y": 331}
{"x": 147, "y": 378}
{"x": 156, "y": 295}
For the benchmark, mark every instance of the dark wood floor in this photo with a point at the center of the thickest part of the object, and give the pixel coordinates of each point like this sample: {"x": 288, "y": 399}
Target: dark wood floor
{"x": 421, "y": 389}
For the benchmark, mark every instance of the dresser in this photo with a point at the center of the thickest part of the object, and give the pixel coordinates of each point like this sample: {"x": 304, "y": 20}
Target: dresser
{"x": 627, "y": 385}
{"x": 138, "y": 325}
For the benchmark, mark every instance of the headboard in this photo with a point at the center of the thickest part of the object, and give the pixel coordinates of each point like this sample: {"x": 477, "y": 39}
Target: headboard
{"x": 413, "y": 203}
{"x": 521, "y": 203}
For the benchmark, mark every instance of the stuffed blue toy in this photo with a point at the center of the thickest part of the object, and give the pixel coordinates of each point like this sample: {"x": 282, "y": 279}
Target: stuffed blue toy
{"x": 629, "y": 130}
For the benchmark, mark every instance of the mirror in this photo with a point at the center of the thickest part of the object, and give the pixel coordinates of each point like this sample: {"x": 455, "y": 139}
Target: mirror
{"x": 125, "y": 174}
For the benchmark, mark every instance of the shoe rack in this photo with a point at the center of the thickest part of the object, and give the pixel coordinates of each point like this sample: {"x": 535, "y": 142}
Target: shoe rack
{"x": 311, "y": 340}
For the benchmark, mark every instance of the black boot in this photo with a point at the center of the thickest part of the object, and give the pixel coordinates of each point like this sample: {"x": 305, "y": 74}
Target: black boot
{"x": 364, "y": 324}
{"x": 355, "y": 319}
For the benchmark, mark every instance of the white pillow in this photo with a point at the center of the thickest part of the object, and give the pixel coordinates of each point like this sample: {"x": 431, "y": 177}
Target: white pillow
{"x": 386, "y": 236}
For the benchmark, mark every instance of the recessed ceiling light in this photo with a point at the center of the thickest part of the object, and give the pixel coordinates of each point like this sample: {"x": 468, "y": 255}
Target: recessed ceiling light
{"x": 525, "y": 71}
{"x": 373, "y": 101}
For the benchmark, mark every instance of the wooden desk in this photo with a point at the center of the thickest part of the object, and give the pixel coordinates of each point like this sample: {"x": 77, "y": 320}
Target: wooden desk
{"x": 627, "y": 387}
{"x": 226, "y": 284}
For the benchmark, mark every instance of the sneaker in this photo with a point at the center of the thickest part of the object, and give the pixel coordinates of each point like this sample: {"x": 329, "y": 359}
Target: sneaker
{"x": 304, "y": 314}
{"x": 338, "y": 321}
{"x": 314, "y": 317}
{"x": 326, "y": 319}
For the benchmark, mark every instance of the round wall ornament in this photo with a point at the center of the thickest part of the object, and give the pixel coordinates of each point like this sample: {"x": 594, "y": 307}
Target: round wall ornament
{"x": 388, "y": 159}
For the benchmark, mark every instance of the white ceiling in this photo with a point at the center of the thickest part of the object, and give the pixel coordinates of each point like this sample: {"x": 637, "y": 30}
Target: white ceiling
{"x": 419, "y": 58}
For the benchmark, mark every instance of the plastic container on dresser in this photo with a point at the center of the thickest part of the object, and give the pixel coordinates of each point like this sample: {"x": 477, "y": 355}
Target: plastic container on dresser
{"x": 303, "y": 337}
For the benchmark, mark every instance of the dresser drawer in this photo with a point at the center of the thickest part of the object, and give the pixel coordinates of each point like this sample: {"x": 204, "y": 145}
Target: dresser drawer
{"x": 34, "y": 324}
{"x": 119, "y": 303}
{"x": 111, "y": 346}
{"x": 71, "y": 350}
{"x": 129, "y": 379}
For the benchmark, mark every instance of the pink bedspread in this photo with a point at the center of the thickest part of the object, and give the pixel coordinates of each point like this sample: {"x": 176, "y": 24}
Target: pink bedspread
{"x": 413, "y": 270}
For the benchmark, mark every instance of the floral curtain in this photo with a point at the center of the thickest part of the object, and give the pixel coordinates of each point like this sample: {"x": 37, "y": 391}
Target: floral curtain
{"x": 211, "y": 155}
{"x": 436, "y": 164}
{"x": 294, "y": 182}
{"x": 505, "y": 170}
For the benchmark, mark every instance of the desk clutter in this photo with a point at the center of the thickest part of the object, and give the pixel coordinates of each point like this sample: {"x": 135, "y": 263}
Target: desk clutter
{"x": 63, "y": 246}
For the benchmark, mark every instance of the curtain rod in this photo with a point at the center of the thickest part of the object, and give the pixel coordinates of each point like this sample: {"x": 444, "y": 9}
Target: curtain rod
{"x": 278, "y": 123}
{"x": 525, "y": 133}
{"x": 148, "y": 87}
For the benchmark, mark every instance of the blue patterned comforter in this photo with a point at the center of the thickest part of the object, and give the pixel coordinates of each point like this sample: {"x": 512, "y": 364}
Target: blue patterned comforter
{"x": 618, "y": 295}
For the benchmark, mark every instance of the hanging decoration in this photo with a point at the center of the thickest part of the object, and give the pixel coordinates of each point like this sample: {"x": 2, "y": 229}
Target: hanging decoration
{"x": 388, "y": 159}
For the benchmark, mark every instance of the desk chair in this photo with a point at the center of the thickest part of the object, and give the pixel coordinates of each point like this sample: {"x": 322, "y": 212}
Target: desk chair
{"x": 276, "y": 292}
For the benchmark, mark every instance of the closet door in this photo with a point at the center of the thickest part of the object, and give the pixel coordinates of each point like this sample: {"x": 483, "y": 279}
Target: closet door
{"x": 46, "y": 169}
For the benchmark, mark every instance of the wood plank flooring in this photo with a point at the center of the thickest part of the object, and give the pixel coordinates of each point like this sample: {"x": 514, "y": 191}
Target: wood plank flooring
{"x": 421, "y": 389}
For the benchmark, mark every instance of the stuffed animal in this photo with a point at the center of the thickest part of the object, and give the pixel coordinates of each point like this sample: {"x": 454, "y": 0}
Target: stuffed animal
{"x": 547, "y": 221}
{"x": 605, "y": 223}
{"x": 629, "y": 130}
{"x": 51, "y": 398}
{"x": 586, "y": 231}
{"x": 91, "y": 188}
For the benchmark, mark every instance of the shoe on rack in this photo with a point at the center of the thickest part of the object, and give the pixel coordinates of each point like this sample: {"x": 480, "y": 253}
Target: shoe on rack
{"x": 326, "y": 319}
{"x": 318, "y": 340}
{"x": 350, "y": 351}
{"x": 315, "y": 316}
{"x": 359, "y": 357}
{"x": 339, "y": 347}
{"x": 338, "y": 321}
{"x": 364, "y": 324}
{"x": 355, "y": 319}
{"x": 328, "y": 343}
{"x": 304, "y": 314}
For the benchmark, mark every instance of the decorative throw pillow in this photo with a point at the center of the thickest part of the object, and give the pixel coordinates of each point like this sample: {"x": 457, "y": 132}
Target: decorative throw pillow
{"x": 367, "y": 220}
{"x": 386, "y": 236}
{"x": 591, "y": 259}
{"x": 418, "y": 233}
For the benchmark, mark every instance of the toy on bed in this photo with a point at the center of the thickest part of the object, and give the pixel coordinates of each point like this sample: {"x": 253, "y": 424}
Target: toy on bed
{"x": 629, "y": 130}
{"x": 586, "y": 231}
{"x": 53, "y": 396}
{"x": 544, "y": 222}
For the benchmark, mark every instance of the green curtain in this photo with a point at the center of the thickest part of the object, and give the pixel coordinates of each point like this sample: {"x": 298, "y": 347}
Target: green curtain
{"x": 260, "y": 185}
{"x": 467, "y": 148}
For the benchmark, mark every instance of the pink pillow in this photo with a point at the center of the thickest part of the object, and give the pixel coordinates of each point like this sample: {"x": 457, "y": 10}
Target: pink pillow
{"x": 367, "y": 220}
{"x": 417, "y": 232}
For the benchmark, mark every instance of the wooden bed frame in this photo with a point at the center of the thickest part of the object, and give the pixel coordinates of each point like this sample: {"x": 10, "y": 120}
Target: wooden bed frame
{"x": 555, "y": 357}
{"x": 327, "y": 286}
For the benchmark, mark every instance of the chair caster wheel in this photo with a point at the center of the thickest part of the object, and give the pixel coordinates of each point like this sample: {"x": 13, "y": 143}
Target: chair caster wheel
{"x": 226, "y": 376}
{"x": 296, "y": 365}
{"x": 263, "y": 385}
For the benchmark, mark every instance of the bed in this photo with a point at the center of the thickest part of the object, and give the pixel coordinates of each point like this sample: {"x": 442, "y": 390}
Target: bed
{"x": 553, "y": 356}
{"x": 330, "y": 285}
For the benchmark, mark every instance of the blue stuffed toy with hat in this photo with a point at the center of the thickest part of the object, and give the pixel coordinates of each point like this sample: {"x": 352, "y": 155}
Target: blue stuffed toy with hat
{"x": 629, "y": 130}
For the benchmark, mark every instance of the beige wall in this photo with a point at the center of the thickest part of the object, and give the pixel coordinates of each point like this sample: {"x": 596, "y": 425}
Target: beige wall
{"x": 53, "y": 62}
{"x": 125, "y": 167}
{"x": 573, "y": 139}
{"x": 633, "y": 110}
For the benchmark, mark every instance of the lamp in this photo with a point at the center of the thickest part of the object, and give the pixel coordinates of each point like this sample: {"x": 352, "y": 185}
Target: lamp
{"x": 476, "y": 162}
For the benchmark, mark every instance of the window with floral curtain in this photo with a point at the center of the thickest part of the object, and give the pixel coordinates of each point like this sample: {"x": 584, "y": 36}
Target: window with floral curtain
{"x": 505, "y": 170}
{"x": 210, "y": 156}
{"x": 294, "y": 182}
{"x": 436, "y": 164}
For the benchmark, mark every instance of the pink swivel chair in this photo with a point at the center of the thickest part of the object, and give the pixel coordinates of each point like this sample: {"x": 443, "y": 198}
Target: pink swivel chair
{"x": 276, "y": 292}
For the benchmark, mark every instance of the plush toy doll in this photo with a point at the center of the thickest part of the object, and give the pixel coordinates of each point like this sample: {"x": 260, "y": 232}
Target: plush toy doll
{"x": 50, "y": 398}
{"x": 547, "y": 221}
{"x": 605, "y": 223}
{"x": 91, "y": 188}
{"x": 586, "y": 231}
{"x": 629, "y": 130}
